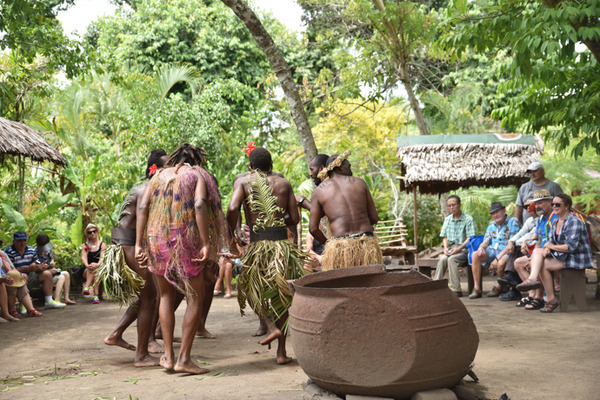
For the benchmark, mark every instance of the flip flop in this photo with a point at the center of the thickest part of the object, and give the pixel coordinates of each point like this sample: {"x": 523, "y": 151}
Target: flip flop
{"x": 227, "y": 296}
{"x": 216, "y": 292}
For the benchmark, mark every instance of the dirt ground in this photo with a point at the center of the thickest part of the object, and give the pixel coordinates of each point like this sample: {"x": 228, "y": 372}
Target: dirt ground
{"x": 526, "y": 354}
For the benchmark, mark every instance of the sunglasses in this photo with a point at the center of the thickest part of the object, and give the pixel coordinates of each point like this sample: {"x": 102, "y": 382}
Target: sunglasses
{"x": 557, "y": 204}
{"x": 92, "y": 232}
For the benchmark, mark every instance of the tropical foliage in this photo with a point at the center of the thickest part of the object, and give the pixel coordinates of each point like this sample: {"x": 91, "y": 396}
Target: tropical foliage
{"x": 168, "y": 72}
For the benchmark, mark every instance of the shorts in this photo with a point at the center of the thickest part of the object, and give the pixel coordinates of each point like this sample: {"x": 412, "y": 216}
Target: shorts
{"x": 33, "y": 280}
{"x": 55, "y": 278}
{"x": 492, "y": 254}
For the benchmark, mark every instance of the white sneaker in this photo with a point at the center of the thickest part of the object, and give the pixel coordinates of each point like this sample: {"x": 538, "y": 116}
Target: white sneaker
{"x": 54, "y": 304}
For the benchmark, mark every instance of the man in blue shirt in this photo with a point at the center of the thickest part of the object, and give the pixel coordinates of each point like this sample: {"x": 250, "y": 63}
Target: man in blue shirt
{"x": 500, "y": 230}
{"x": 23, "y": 258}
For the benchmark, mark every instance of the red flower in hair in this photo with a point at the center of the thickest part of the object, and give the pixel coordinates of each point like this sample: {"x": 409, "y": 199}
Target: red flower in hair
{"x": 249, "y": 148}
{"x": 153, "y": 169}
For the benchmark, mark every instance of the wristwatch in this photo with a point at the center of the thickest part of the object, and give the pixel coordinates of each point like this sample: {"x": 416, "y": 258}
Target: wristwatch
{"x": 302, "y": 201}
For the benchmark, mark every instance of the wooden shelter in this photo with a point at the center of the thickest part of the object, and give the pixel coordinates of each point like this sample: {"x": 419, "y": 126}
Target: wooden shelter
{"x": 19, "y": 139}
{"x": 442, "y": 163}
{"x": 22, "y": 141}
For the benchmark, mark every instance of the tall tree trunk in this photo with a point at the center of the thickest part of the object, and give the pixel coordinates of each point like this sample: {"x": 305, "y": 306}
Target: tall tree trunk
{"x": 399, "y": 54}
{"x": 282, "y": 71}
{"x": 414, "y": 104}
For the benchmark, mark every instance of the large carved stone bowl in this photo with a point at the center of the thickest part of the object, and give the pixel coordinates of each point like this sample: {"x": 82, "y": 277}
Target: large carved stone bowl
{"x": 365, "y": 331}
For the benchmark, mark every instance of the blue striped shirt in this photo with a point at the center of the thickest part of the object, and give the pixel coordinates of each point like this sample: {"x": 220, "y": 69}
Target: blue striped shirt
{"x": 20, "y": 261}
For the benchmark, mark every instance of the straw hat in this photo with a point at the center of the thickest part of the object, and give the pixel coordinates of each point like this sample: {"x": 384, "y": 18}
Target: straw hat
{"x": 16, "y": 275}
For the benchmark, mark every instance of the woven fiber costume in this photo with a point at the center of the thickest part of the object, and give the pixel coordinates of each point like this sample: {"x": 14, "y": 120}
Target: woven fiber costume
{"x": 271, "y": 259}
{"x": 172, "y": 236}
{"x": 351, "y": 251}
{"x": 120, "y": 282}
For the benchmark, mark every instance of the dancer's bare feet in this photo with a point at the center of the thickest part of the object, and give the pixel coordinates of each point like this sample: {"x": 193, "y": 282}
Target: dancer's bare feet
{"x": 147, "y": 361}
{"x": 190, "y": 368}
{"x": 167, "y": 362}
{"x": 155, "y": 347}
{"x": 69, "y": 301}
{"x": 262, "y": 330}
{"x": 112, "y": 340}
{"x": 205, "y": 334}
{"x": 284, "y": 360}
{"x": 275, "y": 334}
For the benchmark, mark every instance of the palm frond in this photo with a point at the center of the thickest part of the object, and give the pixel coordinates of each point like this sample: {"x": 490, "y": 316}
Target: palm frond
{"x": 263, "y": 203}
{"x": 120, "y": 282}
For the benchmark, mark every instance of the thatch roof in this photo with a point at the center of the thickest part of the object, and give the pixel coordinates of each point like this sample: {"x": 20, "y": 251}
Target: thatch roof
{"x": 441, "y": 163}
{"x": 17, "y": 138}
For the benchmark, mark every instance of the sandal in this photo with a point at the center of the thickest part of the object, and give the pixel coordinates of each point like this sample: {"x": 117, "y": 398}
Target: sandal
{"x": 14, "y": 314}
{"x": 524, "y": 301}
{"x": 34, "y": 313}
{"x": 535, "y": 304}
{"x": 550, "y": 307}
{"x": 528, "y": 284}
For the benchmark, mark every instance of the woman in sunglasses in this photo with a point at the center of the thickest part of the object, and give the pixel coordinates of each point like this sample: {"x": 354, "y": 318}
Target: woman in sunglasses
{"x": 568, "y": 246}
{"x": 92, "y": 252}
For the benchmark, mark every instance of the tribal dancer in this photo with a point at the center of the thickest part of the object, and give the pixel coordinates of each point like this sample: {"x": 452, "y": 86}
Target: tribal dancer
{"x": 121, "y": 253}
{"x": 348, "y": 205}
{"x": 271, "y": 259}
{"x": 185, "y": 225}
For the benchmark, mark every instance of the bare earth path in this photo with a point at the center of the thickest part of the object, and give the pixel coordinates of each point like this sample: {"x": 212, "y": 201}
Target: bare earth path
{"x": 61, "y": 355}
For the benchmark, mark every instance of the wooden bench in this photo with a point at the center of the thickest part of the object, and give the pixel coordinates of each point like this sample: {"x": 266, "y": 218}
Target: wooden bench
{"x": 392, "y": 240}
{"x": 572, "y": 285}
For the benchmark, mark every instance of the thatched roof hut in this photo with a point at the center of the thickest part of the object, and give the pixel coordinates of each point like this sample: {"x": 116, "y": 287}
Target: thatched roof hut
{"x": 19, "y": 139}
{"x": 441, "y": 163}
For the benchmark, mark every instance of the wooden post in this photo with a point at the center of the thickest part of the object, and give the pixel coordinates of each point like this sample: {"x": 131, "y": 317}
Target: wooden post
{"x": 415, "y": 242}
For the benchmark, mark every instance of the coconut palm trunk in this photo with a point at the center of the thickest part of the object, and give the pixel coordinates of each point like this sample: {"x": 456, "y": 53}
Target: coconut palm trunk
{"x": 282, "y": 71}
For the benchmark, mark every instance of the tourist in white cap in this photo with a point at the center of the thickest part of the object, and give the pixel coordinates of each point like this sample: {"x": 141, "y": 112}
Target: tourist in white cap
{"x": 538, "y": 181}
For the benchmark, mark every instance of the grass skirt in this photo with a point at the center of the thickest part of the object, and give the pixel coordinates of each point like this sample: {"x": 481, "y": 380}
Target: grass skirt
{"x": 351, "y": 252}
{"x": 121, "y": 283}
{"x": 267, "y": 266}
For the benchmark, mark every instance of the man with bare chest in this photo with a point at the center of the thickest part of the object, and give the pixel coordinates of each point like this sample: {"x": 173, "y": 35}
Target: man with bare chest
{"x": 348, "y": 205}
{"x": 269, "y": 207}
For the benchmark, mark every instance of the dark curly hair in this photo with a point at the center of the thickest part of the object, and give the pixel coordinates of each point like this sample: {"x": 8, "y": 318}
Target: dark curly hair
{"x": 187, "y": 153}
{"x": 260, "y": 158}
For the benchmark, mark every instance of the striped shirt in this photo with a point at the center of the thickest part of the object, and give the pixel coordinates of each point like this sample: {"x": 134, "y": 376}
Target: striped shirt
{"x": 20, "y": 261}
{"x": 456, "y": 231}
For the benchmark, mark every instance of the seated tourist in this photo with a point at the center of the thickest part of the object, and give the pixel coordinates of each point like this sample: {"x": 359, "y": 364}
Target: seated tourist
{"x": 513, "y": 249}
{"x": 60, "y": 279}
{"x": 13, "y": 285}
{"x": 542, "y": 201}
{"x": 458, "y": 227}
{"x": 22, "y": 257}
{"x": 92, "y": 252}
{"x": 500, "y": 230}
{"x": 568, "y": 246}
